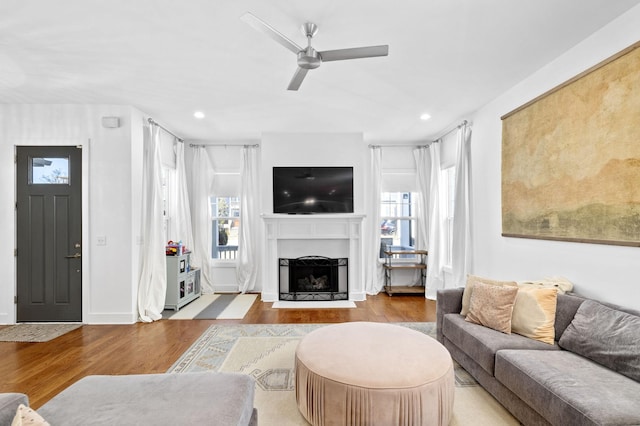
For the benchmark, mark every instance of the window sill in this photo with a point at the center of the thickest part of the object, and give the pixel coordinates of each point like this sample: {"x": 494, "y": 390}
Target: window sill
{"x": 222, "y": 263}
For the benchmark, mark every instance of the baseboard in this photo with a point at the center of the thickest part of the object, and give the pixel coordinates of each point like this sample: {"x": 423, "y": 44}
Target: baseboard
{"x": 117, "y": 318}
{"x": 269, "y": 297}
{"x": 357, "y": 296}
{"x": 4, "y": 319}
{"x": 226, "y": 288}
{"x": 111, "y": 318}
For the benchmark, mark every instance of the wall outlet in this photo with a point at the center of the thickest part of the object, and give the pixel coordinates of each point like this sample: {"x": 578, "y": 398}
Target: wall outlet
{"x": 102, "y": 241}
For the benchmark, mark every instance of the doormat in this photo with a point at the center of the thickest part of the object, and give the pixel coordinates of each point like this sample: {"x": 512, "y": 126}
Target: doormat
{"x": 35, "y": 332}
{"x": 214, "y": 306}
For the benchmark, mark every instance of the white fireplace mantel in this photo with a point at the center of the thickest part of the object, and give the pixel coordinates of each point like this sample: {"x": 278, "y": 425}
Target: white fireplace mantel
{"x": 320, "y": 232}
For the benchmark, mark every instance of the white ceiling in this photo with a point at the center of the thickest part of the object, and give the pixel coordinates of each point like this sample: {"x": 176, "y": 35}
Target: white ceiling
{"x": 169, "y": 58}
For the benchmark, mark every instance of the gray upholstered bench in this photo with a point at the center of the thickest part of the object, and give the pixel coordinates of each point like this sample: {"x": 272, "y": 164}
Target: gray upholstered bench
{"x": 157, "y": 399}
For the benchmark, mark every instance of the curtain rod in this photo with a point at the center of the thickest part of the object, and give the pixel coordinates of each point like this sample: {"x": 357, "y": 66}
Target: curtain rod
{"x": 464, "y": 123}
{"x": 224, "y": 145}
{"x": 155, "y": 123}
{"x": 436, "y": 140}
{"x": 398, "y": 145}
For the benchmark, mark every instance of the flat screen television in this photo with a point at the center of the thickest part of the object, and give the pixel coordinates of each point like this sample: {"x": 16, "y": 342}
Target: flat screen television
{"x": 309, "y": 190}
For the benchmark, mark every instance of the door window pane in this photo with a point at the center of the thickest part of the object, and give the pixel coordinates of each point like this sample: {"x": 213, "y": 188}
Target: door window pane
{"x": 49, "y": 170}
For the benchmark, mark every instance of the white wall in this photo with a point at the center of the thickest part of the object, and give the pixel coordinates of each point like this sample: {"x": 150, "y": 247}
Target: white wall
{"x": 607, "y": 272}
{"x": 112, "y": 164}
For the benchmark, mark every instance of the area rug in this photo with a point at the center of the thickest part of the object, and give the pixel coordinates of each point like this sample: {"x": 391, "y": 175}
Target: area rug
{"x": 266, "y": 352}
{"x": 42, "y": 332}
{"x": 214, "y": 306}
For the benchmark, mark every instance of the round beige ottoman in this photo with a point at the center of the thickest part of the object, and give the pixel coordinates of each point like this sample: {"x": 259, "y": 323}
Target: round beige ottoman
{"x": 363, "y": 373}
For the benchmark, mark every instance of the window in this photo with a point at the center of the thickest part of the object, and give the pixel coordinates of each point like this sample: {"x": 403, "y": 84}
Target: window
{"x": 225, "y": 226}
{"x": 49, "y": 171}
{"x": 447, "y": 203}
{"x": 398, "y": 226}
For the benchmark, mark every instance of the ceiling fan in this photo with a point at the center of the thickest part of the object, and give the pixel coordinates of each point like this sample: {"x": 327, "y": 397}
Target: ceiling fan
{"x": 308, "y": 57}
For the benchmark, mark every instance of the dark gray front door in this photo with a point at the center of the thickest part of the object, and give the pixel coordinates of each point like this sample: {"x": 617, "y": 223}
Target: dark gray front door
{"x": 49, "y": 236}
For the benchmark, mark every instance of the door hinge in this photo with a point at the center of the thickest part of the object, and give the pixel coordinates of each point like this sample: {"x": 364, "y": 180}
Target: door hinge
{"x": 15, "y": 252}
{"x": 15, "y": 300}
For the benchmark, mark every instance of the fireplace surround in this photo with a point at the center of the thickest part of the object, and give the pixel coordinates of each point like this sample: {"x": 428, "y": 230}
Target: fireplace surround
{"x": 328, "y": 235}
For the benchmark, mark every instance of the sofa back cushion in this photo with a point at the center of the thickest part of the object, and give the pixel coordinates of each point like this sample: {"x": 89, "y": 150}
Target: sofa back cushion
{"x": 492, "y": 306}
{"x": 566, "y": 309}
{"x": 534, "y": 313}
{"x": 468, "y": 289}
{"x": 607, "y": 336}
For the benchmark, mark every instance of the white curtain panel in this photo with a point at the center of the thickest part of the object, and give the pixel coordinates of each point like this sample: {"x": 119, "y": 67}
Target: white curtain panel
{"x": 153, "y": 274}
{"x": 374, "y": 275}
{"x": 248, "y": 263}
{"x": 202, "y": 176}
{"x": 462, "y": 256}
{"x": 182, "y": 226}
{"x": 431, "y": 218}
{"x": 423, "y": 183}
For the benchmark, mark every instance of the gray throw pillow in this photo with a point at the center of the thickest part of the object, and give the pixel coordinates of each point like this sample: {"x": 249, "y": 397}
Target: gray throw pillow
{"x": 606, "y": 336}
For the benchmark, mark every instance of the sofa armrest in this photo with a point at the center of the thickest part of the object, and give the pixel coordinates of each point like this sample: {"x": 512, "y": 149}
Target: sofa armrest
{"x": 447, "y": 301}
{"x": 9, "y": 403}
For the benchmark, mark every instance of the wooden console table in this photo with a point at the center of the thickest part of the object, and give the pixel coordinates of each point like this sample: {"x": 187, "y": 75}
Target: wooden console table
{"x": 391, "y": 264}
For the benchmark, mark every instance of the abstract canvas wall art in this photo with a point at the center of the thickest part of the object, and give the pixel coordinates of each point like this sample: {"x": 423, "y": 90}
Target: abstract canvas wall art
{"x": 571, "y": 158}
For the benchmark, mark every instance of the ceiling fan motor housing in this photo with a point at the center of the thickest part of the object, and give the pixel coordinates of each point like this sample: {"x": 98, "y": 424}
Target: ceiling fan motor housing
{"x": 309, "y": 58}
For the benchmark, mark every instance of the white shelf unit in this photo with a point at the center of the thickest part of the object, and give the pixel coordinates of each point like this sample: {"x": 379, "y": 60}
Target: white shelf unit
{"x": 183, "y": 282}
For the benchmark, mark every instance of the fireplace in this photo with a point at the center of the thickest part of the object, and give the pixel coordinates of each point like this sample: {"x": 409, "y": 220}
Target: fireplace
{"x": 292, "y": 236}
{"x": 313, "y": 278}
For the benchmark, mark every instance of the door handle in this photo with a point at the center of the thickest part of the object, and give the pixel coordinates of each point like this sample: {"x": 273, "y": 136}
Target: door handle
{"x": 73, "y": 256}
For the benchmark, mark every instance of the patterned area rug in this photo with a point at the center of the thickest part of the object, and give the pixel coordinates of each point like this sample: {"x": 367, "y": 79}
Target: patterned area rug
{"x": 266, "y": 352}
{"x": 35, "y": 332}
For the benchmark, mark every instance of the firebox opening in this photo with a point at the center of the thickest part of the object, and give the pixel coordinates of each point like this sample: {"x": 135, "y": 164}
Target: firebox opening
{"x": 313, "y": 278}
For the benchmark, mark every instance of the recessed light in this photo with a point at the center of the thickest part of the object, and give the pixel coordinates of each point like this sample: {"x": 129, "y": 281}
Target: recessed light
{"x": 425, "y": 117}
{"x": 199, "y": 115}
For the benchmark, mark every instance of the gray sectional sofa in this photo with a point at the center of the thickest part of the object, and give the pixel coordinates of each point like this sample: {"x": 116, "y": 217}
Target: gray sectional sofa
{"x": 589, "y": 376}
{"x": 147, "y": 399}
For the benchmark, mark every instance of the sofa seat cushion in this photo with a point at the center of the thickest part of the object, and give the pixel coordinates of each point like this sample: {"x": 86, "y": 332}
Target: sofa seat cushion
{"x": 482, "y": 343}
{"x": 154, "y": 399}
{"x": 568, "y": 389}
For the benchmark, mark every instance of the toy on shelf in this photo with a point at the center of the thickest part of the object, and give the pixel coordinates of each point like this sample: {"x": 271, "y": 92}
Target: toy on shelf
{"x": 175, "y": 249}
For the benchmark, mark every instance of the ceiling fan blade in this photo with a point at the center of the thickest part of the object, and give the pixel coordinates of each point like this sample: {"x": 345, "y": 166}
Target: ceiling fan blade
{"x": 267, "y": 29}
{"x": 296, "y": 81}
{"x": 354, "y": 53}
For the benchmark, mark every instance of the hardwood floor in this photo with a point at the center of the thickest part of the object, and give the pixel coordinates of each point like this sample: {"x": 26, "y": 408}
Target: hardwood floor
{"x": 42, "y": 370}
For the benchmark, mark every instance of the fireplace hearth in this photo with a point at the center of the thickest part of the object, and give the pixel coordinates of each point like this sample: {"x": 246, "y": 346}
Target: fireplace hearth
{"x": 313, "y": 278}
